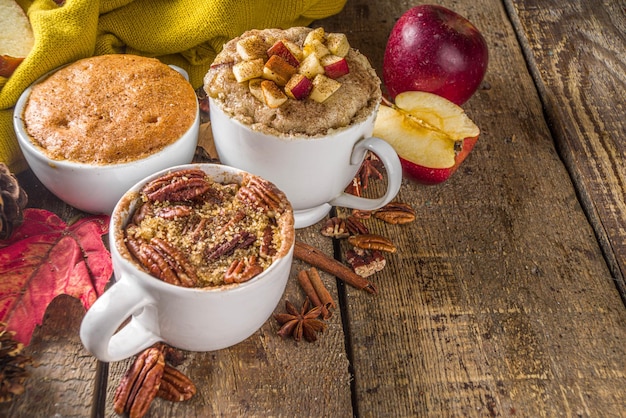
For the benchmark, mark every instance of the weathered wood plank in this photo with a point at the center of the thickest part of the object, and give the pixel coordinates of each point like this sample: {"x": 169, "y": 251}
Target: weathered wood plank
{"x": 62, "y": 381}
{"x": 576, "y": 52}
{"x": 499, "y": 300}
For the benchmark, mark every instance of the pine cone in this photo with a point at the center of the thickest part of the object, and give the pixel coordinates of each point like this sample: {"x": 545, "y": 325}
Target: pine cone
{"x": 13, "y": 364}
{"x": 13, "y": 200}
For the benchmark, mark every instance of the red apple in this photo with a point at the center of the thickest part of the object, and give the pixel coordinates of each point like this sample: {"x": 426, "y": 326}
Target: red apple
{"x": 434, "y": 49}
{"x": 431, "y": 134}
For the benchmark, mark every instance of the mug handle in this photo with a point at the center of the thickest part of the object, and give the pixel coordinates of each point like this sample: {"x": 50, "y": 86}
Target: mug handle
{"x": 390, "y": 159}
{"x": 98, "y": 329}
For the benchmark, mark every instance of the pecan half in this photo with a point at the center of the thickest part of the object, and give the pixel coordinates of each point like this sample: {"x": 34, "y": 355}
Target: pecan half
{"x": 179, "y": 186}
{"x": 163, "y": 261}
{"x": 175, "y": 386}
{"x": 372, "y": 242}
{"x": 174, "y": 211}
{"x": 243, "y": 270}
{"x": 365, "y": 262}
{"x": 396, "y": 213}
{"x": 140, "y": 384}
{"x": 260, "y": 193}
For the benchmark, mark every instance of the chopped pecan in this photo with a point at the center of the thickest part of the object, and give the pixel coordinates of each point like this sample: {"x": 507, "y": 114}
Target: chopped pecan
{"x": 355, "y": 226}
{"x": 267, "y": 248}
{"x": 184, "y": 185}
{"x": 396, "y": 213}
{"x": 335, "y": 227}
{"x": 146, "y": 209}
{"x": 365, "y": 262}
{"x": 175, "y": 386}
{"x": 260, "y": 193}
{"x": 228, "y": 246}
{"x": 237, "y": 217}
{"x": 361, "y": 213}
{"x": 140, "y": 384}
{"x": 370, "y": 167}
{"x": 243, "y": 270}
{"x": 372, "y": 242}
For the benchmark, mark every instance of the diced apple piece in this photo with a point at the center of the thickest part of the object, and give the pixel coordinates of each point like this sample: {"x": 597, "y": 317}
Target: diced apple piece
{"x": 246, "y": 70}
{"x": 338, "y": 44}
{"x": 316, "y": 48}
{"x": 282, "y": 50}
{"x": 317, "y": 34}
{"x": 439, "y": 113}
{"x": 252, "y": 47}
{"x": 278, "y": 70}
{"x": 295, "y": 49}
{"x": 310, "y": 67}
{"x": 334, "y": 66}
{"x": 298, "y": 87}
{"x": 272, "y": 94}
{"x": 323, "y": 88}
{"x": 413, "y": 141}
{"x": 255, "y": 88}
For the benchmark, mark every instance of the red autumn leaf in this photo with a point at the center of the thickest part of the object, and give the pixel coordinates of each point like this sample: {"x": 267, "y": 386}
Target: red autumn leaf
{"x": 45, "y": 258}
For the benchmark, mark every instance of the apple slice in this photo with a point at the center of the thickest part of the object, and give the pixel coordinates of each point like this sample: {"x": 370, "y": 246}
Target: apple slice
{"x": 17, "y": 38}
{"x": 311, "y": 66}
{"x": 338, "y": 44}
{"x": 316, "y": 48}
{"x": 431, "y": 135}
{"x": 254, "y": 86}
{"x": 334, "y": 66}
{"x": 247, "y": 70}
{"x": 273, "y": 95}
{"x": 298, "y": 87}
{"x": 251, "y": 47}
{"x": 278, "y": 70}
{"x": 323, "y": 88}
{"x": 281, "y": 49}
{"x": 317, "y": 34}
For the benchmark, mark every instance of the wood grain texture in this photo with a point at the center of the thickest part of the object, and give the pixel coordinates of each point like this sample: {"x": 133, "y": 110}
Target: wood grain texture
{"x": 499, "y": 300}
{"x": 61, "y": 382}
{"x": 576, "y": 52}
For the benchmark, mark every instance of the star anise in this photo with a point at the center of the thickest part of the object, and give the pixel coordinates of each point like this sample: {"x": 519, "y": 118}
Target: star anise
{"x": 300, "y": 323}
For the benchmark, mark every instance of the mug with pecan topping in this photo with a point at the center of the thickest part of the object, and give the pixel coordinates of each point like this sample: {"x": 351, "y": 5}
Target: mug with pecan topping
{"x": 201, "y": 254}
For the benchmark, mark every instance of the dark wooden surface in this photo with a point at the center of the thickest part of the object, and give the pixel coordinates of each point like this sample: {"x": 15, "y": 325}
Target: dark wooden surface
{"x": 506, "y": 296}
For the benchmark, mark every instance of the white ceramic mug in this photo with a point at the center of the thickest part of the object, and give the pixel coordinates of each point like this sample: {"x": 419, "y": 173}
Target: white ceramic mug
{"x": 313, "y": 172}
{"x": 195, "y": 319}
{"x": 96, "y": 188}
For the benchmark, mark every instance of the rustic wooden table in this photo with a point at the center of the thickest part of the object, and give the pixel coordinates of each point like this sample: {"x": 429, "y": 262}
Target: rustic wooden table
{"x": 506, "y": 296}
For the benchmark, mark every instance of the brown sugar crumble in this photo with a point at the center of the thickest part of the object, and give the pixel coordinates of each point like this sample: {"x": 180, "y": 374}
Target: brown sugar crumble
{"x": 219, "y": 233}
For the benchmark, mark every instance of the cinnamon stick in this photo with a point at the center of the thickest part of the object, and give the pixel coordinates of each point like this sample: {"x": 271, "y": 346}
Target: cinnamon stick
{"x": 304, "y": 278}
{"x": 318, "y": 259}
{"x": 320, "y": 289}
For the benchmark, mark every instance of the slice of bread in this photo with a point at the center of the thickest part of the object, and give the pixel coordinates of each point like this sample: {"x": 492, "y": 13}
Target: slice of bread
{"x": 16, "y": 36}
